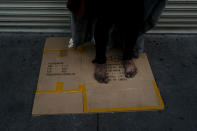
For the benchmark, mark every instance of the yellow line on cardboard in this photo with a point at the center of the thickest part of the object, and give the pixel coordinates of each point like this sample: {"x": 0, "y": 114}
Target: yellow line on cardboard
{"x": 126, "y": 109}
{"x": 158, "y": 95}
{"x": 81, "y": 50}
{"x": 59, "y": 89}
{"x": 82, "y": 88}
{"x": 85, "y": 105}
{"x": 52, "y": 51}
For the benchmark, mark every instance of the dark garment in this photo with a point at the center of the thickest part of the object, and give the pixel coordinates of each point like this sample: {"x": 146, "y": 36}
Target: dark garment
{"x": 83, "y": 25}
{"x": 128, "y": 29}
{"x": 83, "y": 8}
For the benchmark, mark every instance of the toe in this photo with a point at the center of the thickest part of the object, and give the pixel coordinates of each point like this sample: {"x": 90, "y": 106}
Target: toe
{"x": 128, "y": 75}
{"x": 133, "y": 73}
{"x": 101, "y": 78}
{"x": 106, "y": 80}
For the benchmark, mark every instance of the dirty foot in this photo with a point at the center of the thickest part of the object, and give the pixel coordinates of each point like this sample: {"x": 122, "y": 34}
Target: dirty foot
{"x": 130, "y": 68}
{"x": 100, "y": 73}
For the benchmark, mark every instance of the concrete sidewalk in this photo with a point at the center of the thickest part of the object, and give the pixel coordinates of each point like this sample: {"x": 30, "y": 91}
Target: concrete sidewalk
{"x": 173, "y": 59}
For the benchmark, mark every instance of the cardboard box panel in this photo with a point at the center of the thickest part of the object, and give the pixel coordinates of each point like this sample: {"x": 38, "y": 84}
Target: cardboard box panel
{"x": 67, "y": 85}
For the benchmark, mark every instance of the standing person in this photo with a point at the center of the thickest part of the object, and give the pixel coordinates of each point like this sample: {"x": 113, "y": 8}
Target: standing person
{"x": 128, "y": 18}
{"x": 132, "y": 18}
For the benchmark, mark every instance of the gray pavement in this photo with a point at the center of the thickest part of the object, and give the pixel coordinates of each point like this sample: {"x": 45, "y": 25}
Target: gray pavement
{"x": 173, "y": 59}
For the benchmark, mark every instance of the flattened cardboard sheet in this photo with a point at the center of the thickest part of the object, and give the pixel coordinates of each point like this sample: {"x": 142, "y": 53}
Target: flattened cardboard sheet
{"x": 67, "y": 85}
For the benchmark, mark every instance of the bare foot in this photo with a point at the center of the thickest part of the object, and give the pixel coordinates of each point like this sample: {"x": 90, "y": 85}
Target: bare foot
{"x": 130, "y": 68}
{"x": 100, "y": 73}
